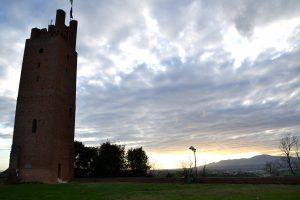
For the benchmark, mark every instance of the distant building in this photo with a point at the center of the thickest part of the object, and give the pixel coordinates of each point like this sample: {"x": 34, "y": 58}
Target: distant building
{"x": 43, "y": 140}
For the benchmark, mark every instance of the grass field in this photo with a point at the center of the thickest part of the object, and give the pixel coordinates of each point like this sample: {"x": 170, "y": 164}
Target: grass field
{"x": 145, "y": 191}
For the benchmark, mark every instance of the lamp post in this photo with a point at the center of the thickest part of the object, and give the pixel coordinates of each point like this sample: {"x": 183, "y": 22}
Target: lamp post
{"x": 194, "y": 150}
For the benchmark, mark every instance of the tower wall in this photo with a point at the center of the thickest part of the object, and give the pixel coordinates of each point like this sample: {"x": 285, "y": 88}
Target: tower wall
{"x": 43, "y": 139}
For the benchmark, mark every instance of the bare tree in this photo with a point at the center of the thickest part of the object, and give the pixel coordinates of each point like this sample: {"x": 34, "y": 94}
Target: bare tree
{"x": 297, "y": 154}
{"x": 186, "y": 167}
{"x": 154, "y": 166}
{"x": 297, "y": 147}
{"x": 287, "y": 145}
{"x": 204, "y": 170}
{"x": 272, "y": 168}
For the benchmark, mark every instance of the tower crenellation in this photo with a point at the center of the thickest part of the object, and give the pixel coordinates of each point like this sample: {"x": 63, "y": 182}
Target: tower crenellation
{"x": 68, "y": 33}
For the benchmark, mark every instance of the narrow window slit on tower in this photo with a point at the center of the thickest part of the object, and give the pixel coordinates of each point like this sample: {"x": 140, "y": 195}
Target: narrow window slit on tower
{"x": 70, "y": 112}
{"x": 39, "y": 64}
{"x": 34, "y": 126}
{"x": 27, "y": 165}
{"x": 41, "y": 50}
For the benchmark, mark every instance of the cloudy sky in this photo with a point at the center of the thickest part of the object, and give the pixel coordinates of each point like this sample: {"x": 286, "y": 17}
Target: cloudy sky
{"x": 223, "y": 76}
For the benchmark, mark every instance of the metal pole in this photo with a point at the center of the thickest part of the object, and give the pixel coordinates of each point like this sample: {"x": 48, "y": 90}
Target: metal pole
{"x": 195, "y": 164}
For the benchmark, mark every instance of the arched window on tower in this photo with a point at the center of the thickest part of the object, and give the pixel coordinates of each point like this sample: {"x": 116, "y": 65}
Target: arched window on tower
{"x": 34, "y": 125}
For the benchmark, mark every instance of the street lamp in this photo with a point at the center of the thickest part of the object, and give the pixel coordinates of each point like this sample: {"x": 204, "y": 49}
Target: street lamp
{"x": 194, "y": 150}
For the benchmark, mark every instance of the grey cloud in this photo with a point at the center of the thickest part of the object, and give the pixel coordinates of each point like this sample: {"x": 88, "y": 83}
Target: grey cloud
{"x": 168, "y": 12}
{"x": 190, "y": 100}
{"x": 7, "y": 108}
{"x": 246, "y": 15}
{"x": 25, "y": 14}
{"x": 193, "y": 18}
{"x": 7, "y": 113}
{"x": 211, "y": 16}
{"x": 111, "y": 20}
{"x": 2, "y": 71}
{"x": 5, "y": 136}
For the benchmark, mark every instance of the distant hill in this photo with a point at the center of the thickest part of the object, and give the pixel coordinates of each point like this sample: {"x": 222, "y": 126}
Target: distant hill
{"x": 254, "y": 163}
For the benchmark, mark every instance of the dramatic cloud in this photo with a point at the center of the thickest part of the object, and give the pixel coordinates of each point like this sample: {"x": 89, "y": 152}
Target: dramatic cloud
{"x": 220, "y": 75}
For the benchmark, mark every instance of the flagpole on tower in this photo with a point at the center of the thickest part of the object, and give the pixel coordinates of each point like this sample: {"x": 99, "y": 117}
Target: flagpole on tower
{"x": 71, "y": 11}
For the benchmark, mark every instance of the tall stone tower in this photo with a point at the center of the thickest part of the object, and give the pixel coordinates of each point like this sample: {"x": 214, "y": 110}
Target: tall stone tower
{"x": 43, "y": 139}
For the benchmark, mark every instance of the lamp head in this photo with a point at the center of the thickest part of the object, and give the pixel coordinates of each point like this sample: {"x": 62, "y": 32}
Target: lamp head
{"x": 192, "y": 148}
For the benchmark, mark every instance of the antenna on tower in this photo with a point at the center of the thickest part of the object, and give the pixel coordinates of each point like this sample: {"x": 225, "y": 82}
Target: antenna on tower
{"x": 71, "y": 11}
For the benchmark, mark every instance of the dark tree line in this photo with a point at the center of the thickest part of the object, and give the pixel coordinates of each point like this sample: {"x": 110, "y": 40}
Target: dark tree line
{"x": 85, "y": 158}
{"x": 137, "y": 161}
{"x": 109, "y": 160}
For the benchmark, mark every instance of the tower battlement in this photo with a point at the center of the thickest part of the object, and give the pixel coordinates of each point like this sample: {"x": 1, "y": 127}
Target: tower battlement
{"x": 58, "y": 30}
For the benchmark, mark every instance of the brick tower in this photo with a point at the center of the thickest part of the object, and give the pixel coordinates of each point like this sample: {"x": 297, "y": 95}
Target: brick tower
{"x": 42, "y": 148}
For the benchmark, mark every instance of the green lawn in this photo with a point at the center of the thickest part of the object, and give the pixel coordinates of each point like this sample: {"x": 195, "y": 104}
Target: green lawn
{"x": 144, "y": 191}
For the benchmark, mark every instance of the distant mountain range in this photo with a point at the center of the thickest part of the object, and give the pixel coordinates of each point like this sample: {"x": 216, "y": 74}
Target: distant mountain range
{"x": 254, "y": 163}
